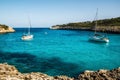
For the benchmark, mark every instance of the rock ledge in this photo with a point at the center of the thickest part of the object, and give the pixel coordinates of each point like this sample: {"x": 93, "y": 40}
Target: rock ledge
{"x": 8, "y": 72}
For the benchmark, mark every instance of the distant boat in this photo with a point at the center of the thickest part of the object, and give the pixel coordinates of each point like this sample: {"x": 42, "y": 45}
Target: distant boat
{"x": 97, "y": 37}
{"x": 28, "y": 36}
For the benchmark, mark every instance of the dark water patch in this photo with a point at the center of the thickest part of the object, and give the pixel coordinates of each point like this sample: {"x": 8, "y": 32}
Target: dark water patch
{"x": 17, "y": 58}
{"x": 59, "y": 66}
{"x": 22, "y": 55}
{"x": 26, "y": 62}
{"x": 9, "y": 55}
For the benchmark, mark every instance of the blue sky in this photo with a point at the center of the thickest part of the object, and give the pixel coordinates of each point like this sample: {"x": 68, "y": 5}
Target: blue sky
{"x": 45, "y": 13}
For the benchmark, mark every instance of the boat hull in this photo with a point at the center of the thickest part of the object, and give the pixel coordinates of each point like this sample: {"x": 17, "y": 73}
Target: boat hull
{"x": 27, "y": 37}
{"x": 105, "y": 40}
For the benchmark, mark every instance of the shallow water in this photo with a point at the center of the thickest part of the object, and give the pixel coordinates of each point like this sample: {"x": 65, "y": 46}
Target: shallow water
{"x": 59, "y": 52}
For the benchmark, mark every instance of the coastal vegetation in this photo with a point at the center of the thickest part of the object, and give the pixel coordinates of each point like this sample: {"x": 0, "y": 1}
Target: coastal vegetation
{"x": 104, "y": 22}
{"x": 4, "y": 26}
{"x": 108, "y": 25}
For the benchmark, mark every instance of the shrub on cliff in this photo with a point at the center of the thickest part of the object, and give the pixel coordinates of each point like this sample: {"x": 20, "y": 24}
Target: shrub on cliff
{"x": 4, "y": 26}
{"x": 103, "y": 22}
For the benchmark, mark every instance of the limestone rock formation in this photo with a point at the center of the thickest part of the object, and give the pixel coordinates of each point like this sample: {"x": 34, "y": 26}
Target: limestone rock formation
{"x": 8, "y": 72}
{"x": 101, "y": 75}
{"x": 6, "y": 29}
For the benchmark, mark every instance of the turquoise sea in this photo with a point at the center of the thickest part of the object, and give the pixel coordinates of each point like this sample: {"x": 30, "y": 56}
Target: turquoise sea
{"x": 59, "y": 52}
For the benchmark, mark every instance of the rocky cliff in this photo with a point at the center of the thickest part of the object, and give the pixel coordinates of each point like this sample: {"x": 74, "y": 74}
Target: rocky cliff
{"x": 6, "y": 29}
{"x": 8, "y": 72}
{"x": 109, "y": 29}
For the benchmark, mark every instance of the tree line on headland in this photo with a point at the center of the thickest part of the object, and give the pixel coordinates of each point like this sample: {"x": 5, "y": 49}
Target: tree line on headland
{"x": 108, "y": 25}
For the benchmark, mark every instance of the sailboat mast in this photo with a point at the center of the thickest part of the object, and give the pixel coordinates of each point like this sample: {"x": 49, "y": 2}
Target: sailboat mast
{"x": 96, "y": 17}
{"x": 29, "y": 25}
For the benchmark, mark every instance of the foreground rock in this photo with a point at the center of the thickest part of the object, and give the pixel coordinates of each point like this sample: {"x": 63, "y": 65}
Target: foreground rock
{"x": 101, "y": 75}
{"x": 8, "y": 72}
{"x": 6, "y": 29}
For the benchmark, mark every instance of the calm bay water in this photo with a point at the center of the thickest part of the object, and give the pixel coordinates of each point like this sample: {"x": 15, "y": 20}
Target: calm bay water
{"x": 59, "y": 52}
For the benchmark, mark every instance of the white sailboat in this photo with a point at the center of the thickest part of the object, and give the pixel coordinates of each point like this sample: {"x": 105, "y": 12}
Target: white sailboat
{"x": 97, "y": 37}
{"x": 28, "y": 36}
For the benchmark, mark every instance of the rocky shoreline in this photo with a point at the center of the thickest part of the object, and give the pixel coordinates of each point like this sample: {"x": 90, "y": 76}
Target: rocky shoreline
{"x": 6, "y": 29}
{"x": 9, "y": 72}
{"x": 104, "y": 25}
{"x": 107, "y": 29}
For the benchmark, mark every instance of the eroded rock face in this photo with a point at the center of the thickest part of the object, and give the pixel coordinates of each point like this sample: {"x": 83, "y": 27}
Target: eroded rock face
{"x": 111, "y": 29}
{"x": 101, "y": 75}
{"x": 4, "y": 30}
{"x": 108, "y": 29}
{"x": 8, "y": 72}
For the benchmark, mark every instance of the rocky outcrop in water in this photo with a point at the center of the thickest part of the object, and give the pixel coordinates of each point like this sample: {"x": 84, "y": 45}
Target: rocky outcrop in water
{"x": 6, "y": 29}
